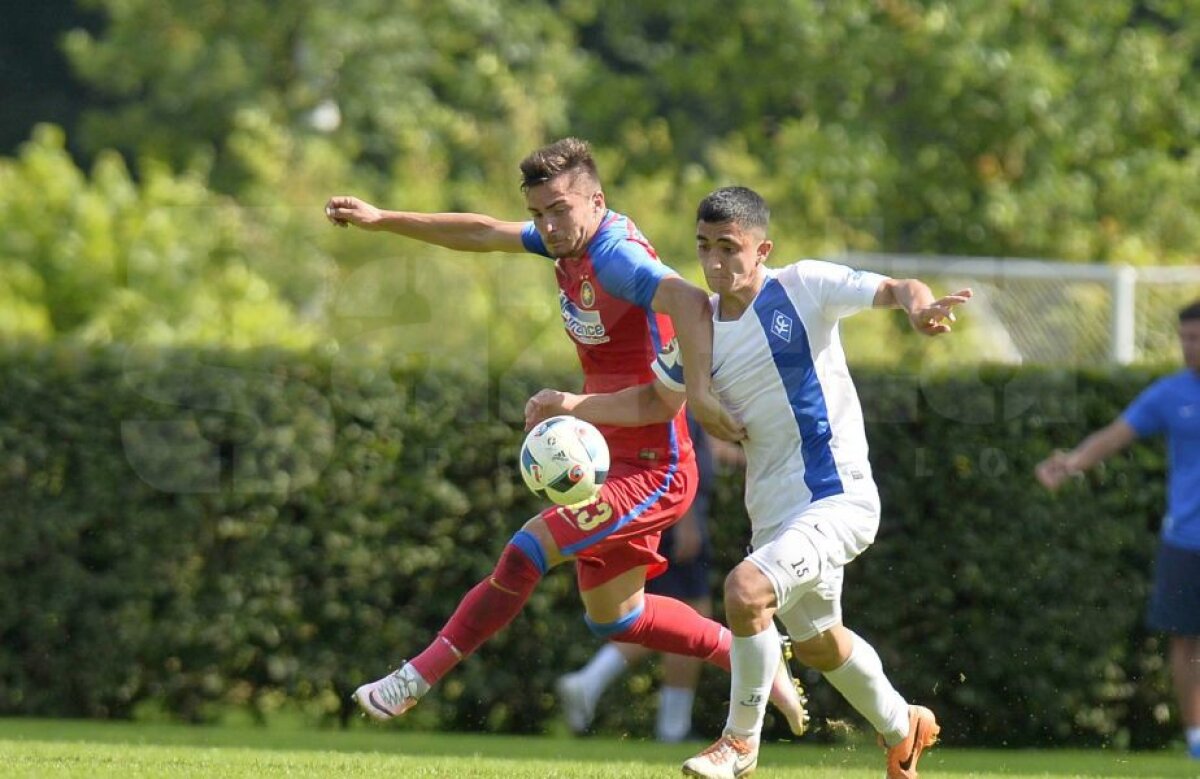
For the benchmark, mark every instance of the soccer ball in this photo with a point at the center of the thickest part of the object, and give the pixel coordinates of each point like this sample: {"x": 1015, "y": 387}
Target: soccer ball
{"x": 564, "y": 459}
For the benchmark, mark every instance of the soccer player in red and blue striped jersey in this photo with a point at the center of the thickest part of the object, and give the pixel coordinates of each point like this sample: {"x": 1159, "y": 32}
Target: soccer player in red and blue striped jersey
{"x": 620, "y": 306}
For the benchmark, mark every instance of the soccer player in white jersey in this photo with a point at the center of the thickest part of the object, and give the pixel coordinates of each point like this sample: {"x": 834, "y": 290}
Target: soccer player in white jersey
{"x": 779, "y": 367}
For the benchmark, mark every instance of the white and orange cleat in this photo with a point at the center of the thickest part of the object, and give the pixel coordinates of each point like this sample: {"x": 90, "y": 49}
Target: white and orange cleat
{"x": 392, "y": 695}
{"x": 729, "y": 757}
{"x": 922, "y": 734}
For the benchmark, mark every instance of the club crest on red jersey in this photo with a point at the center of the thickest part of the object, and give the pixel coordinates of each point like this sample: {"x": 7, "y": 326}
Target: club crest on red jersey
{"x": 587, "y": 295}
{"x": 584, "y": 325}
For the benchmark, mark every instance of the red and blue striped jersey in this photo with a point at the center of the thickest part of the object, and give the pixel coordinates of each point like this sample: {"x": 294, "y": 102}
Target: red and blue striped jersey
{"x": 605, "y": 297}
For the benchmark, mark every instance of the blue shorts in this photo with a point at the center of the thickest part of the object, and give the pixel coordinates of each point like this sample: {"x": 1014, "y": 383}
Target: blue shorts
{"x": 682, "y": 581}
{"x": 1175, "y": 600}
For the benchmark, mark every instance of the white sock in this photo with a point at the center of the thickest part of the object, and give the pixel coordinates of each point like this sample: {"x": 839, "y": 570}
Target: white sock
{"x": 1193, "y": 737}
{"x": 674, "y": 713}
{"x": 604, "y": 667}
{"x": 754, "y": 661}
{"x": 419, "y": 685}
{"x": 863, "y": 684}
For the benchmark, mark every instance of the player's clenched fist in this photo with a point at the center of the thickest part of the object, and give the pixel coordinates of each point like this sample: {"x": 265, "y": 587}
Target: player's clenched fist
{"x": 1054, "y": 470}
{"x": 544, "y": 404}
{"x": 344, "y": 210}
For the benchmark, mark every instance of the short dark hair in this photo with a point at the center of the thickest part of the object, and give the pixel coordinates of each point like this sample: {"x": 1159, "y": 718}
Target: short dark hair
{"x": 565, "y": 156}
{"x": 1190, "y": 313}
{"x": 740, "y": 205}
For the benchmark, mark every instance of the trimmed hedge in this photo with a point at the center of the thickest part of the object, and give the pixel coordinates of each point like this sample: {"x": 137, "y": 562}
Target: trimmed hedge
{"x": 188, "y": 530}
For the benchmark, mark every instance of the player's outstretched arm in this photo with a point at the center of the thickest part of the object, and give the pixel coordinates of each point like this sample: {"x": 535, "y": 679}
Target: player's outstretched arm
{"x": 644, "y": 404}
{"x": 1100, "y": 445}
{"x": 691, "y": 313}
{"x": 463, "y": 232}
{"x": 927, "y": 315}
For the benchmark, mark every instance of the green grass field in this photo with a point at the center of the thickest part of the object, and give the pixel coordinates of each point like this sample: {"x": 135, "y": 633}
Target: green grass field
{"x": 55, "y": 748}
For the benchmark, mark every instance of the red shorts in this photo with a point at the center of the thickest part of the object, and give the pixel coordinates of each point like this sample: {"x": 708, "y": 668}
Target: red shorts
{"x": 619, "y": 530}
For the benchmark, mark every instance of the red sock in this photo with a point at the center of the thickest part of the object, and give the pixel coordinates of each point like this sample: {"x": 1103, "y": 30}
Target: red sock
{"x": 482, "y": 613}
{"x": 669, "y": 625}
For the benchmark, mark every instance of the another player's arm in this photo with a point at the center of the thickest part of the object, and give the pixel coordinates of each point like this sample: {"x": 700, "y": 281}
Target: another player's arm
{"x": 928, "y": 315}
{"x": 460, "y": 231}
{"x": 1097, "y": 447}
{"x": 691, "y": 313}
{"x": 728, "y": 457}
{"x": 689, "y": 537}
{"x": 643, "y": 404}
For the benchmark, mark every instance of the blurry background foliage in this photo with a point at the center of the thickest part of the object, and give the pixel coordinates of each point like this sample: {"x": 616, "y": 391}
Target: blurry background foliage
{"x": 178, "y": 200}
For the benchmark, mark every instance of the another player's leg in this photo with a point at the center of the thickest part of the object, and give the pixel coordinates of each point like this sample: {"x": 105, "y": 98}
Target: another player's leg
{"x": 687, "y": 580}
{"x": 755, "y": 659}
{"x": 579, "y": 691}
{"x": 484, "y": 611}
{"x": 615, "y": 543}
{"x": 1185, "y": 675}
{"x": 612, "y": 566}
{"x": 854, "y": 669}
{"x": 667, "y": 625}
{"x": 1175, "y": 610}
{"x": 681, "y": 676}
{"x": 676, "y": 697}
{"x": 778, "y": 573}
{"x": 619, "y": 610}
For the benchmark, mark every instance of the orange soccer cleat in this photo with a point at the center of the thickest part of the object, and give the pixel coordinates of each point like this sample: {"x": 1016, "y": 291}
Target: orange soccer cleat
{"x": 922, "y": 733}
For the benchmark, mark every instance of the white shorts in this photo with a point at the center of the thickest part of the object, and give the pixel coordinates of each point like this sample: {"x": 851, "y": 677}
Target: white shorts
{"x": 840, "y": 527}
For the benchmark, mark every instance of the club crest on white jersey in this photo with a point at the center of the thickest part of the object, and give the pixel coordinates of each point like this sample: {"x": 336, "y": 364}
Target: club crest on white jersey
{"x": 781, "y": 326}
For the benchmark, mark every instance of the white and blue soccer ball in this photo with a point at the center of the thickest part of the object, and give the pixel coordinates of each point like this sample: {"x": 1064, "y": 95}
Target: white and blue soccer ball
{"x": 565, "y": 460}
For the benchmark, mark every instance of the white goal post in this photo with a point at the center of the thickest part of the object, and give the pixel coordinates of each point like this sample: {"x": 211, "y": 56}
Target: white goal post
{"x": 1060, "y": 313}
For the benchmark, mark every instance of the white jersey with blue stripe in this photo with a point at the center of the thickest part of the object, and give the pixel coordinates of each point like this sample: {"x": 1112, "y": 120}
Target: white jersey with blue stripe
{"x": 780, "y": 369}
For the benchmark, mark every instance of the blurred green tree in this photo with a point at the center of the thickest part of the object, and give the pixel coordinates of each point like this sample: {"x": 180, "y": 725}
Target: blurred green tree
{"x": 104, "y": 258}
{"x": 415, "y": 105}
{"x": 461, "y": 87}
{"x": 1024, "y": 127}
{"x": 973, "y": 127}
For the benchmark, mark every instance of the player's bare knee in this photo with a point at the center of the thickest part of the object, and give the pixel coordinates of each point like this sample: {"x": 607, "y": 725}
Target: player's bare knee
{"x": 537, "y": 528}
{"x": 748, "y": 593}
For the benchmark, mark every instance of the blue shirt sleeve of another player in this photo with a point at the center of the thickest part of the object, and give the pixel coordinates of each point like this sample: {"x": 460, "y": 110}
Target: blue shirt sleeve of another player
{"x": 1145, "y": 413}
{"x": 627, "y": 270}
{"x": 533, "y": 240}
